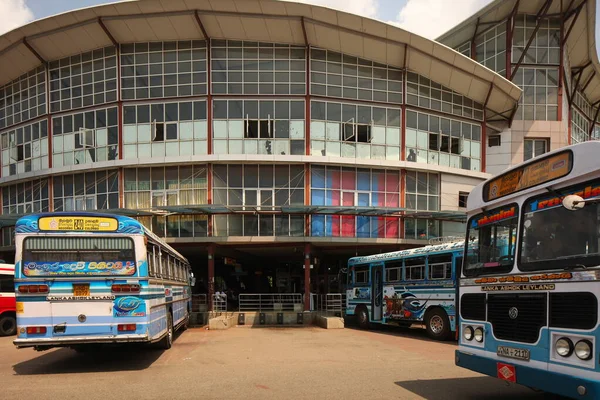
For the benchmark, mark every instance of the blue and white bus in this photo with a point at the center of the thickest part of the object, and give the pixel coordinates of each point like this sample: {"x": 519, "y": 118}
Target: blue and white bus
{"x": 530, "y": 316}
{"x": 416, "y": 286}
{"x": 86, "y": 278}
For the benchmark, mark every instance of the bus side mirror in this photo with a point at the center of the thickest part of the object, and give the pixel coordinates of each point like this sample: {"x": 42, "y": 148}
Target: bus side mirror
{"x": 573, "y": 202}
{"x": 192, "y": 280}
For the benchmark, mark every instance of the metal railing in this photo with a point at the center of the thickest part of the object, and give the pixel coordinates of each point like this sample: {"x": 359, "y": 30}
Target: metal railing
{"x": 270, "y": 302}
{"x": 199, "y": 303}
{"x": 220, "y": 302}
{"x": 330, "y": 303}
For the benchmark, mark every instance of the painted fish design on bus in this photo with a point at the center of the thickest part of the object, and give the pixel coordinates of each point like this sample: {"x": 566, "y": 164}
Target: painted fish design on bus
{"x": 404, "y": 305}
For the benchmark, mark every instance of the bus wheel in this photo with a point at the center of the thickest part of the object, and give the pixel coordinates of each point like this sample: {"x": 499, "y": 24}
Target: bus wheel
{"x": 437, "y": 324}
{"x": 363, "y": 318}
{"x": 8, "y": 326}
{"x": 167, "y": 341}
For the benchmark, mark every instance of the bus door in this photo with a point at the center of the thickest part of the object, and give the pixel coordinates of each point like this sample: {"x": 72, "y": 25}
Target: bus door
{"x": 377, "y": 291}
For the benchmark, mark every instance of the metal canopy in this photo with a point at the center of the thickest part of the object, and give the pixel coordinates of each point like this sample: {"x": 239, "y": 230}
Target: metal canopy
{"x": 215, "y": 209}
{"x": 78, "y": 31}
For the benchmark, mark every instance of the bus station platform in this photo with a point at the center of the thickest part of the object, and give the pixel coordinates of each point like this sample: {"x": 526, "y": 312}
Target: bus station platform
{"x": 269, "y": 310}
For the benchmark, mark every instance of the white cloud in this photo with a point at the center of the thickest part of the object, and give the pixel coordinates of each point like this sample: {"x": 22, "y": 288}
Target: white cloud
{"x": 364, "y": 8}
{"x": 15, "y": 13}
{"x": 431, "y": 18}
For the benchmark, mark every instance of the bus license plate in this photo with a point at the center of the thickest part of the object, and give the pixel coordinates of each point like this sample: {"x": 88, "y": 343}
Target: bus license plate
{"x": 511, "y": 352}
{"x": 81, "y": 290}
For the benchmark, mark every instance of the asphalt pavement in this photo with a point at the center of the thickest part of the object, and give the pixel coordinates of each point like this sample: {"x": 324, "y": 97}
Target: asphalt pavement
{"x": 255, "y": 363}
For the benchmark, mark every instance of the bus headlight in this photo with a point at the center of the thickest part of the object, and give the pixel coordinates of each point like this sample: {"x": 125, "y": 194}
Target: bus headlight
{"x": 479, "y": 334}
{"x": 468, "y": 333}
{"x": 583, "y": 350}
{"x": 564, "y": 347}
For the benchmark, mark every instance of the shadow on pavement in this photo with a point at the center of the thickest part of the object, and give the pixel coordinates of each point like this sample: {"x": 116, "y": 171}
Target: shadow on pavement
{"x": 398, "y": 331}
{"x": 103, "y": 359}
{"x": 476, "y": 388}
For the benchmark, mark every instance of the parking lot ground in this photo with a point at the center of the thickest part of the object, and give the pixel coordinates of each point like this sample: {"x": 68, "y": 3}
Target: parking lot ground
{"x": 262, "y": 363}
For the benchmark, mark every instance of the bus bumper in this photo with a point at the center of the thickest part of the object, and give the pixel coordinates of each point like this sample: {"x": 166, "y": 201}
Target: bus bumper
{"x": 72, "y": 341}
{"x": 552, "y": 382}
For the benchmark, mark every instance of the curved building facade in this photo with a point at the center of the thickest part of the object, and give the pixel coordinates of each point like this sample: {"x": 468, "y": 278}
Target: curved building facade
{"x": 252, "y": 130}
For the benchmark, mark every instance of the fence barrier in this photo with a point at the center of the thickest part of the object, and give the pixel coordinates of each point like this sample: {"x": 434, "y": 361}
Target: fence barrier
{"x": 219, "y": 302}
{"x": 199, "y": 303}
{"x": 330, "y": 303}
{"x": 270, "y": 302}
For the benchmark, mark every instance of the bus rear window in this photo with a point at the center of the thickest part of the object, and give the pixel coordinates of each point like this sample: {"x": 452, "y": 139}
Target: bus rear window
{"x": 56, "y": 256}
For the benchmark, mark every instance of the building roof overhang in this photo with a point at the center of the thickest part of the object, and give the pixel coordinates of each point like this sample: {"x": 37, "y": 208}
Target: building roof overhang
{"x": 78, "y": 31}
{"x": 580, "y": 44}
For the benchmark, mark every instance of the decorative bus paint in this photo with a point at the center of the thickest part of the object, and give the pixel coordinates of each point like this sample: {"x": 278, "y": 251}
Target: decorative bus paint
{"x": 85, "y": 278}
{"x": 531, "y": 317}
{"x": 416, "y": 286}
{"x": 8, "y": 315}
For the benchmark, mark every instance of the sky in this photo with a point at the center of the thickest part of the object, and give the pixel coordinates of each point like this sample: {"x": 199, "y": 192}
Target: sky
{"x": 440, "y": 15}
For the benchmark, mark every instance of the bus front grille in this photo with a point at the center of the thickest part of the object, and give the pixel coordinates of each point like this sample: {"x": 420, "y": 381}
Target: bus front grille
{"x": 517, "y": 317}
{"x": 472, "y": 306}
{"x": 573, "y": 310}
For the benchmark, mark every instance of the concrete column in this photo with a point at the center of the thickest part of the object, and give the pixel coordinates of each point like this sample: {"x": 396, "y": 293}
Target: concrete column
{"x": 307, "y": 255}
{"x": 211, "y": 275}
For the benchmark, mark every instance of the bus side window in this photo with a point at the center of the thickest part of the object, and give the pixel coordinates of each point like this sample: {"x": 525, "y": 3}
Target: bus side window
{"x": 415, "y": 269}
{"x": 164, "y": 265}
{"x": 361, "y": 275}
{"x": 393, "y": 271}
{"x": 440, "y": 266}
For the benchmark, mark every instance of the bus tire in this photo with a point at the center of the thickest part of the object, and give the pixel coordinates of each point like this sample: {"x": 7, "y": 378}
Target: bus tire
{"x": 362, "y": 315}
{"x": 167, "y": 341}
{"x": 437, "y": 324}
{"x": 8, "y": 325}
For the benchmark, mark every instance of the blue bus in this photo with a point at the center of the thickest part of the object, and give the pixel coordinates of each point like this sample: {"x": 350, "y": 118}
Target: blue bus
{"x": 416, "y": 286}
{"x": 531, "y": 315}
{"x": 87, "y": 278}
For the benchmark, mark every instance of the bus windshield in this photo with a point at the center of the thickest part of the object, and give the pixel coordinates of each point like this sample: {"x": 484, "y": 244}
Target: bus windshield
{"x": 554, "y": 237}
{"x": 491, "y": 241}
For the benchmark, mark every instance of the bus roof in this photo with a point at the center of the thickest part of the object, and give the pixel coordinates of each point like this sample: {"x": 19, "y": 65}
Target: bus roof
{"x": 584, "y": 161}
{"x": 113, "y": 224}
{"x": 437, "y": 248}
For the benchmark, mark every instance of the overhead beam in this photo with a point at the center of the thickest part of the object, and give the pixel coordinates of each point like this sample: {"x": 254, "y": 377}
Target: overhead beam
{"x": 487, "y": 98}
{"x": 593, "y": 122}
{"x": 107, "y": 32}
{"x": 567, "y": 88}
{"x": 304, "y": 34}
{"x": 538, "y": 21}
{"x": 513, "y": 14}
{"x": 577, "y": 12}
{"x": 201, "y": 25}
{"x": 34, "y": 51}
{"x": 575, "y": 86}
{"x": 588, "y": 82}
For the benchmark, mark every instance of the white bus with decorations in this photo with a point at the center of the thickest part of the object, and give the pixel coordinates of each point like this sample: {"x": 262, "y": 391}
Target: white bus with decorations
{"x": 85, "y": 278}
{"x": 530, "y": 314}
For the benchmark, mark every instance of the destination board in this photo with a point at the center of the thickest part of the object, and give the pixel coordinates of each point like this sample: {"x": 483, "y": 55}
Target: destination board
{"x": 75, "y": 223}
{"x": 530, "y": 175}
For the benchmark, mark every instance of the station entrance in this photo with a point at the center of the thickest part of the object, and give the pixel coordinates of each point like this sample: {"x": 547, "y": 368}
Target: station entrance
{"x": 249, "y": 275}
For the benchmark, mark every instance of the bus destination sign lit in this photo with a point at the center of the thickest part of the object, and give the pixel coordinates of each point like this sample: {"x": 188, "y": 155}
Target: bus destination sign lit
{"x": 530, "y": 175}
{"x": 74, "y": 223}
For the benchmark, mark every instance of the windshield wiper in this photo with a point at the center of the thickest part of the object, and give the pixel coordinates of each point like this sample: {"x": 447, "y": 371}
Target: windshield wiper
{"x": 575, "y": 266}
